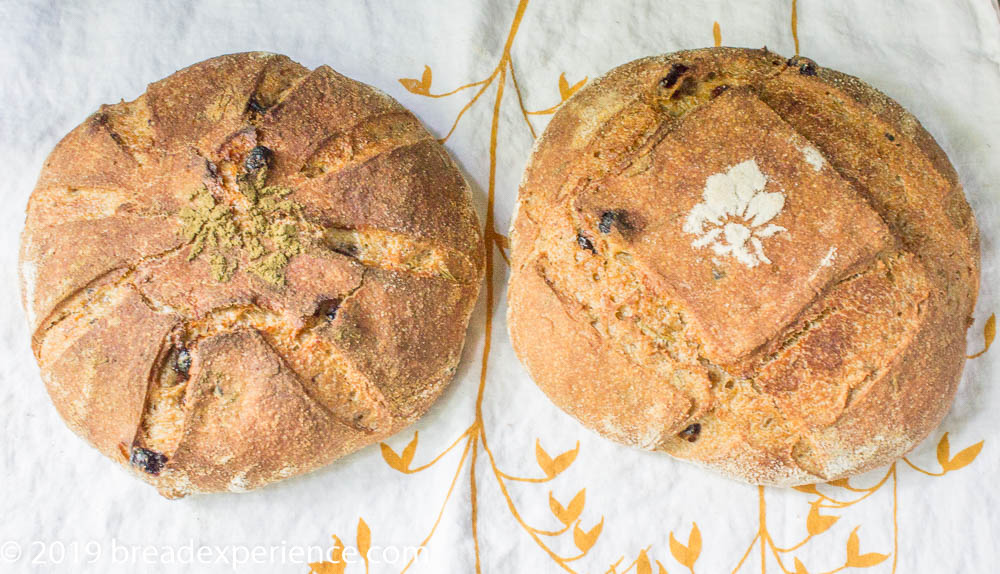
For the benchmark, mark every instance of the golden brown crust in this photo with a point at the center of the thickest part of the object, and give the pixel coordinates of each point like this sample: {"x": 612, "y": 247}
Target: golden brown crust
{"x": 186, "y": 306}
{"x": 826, "y": 341}
{"x": 251, "y": 421}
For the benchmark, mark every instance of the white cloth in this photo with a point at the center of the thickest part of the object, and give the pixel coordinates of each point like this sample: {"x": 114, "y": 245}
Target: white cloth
{"x": 60, "y": 60}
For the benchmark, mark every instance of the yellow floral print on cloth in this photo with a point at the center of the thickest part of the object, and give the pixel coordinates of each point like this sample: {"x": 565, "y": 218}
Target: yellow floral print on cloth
{"x": 819, "y": 531}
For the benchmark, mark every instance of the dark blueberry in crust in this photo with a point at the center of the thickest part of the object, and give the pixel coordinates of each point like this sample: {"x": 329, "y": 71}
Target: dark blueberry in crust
{"x": 614, "y": 218}
{"x": 585, "y": 243}
{"x": 691, "y": 433}
{"x": 257, "y": 158}
{"x": 328, "y": 309}
{"x": 254, "y": 106}
{"x": 806, "y": 67}
{"x": 148, "y": 461}
{"x": 608, "y": 219}
{"x": 676, "y": 71}
{"x": 182, "y": 362}
{"x": 717, "y": 90}
{"x": 890, "y": 137}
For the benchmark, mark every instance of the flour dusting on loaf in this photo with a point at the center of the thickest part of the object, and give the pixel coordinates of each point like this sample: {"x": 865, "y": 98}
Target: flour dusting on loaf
{"x": 753, "y": 263}
{"x": 247, "y": 272}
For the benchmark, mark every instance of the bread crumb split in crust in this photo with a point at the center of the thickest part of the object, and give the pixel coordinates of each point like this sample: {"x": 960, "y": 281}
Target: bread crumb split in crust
{"x": 247, "y": 272}
{"x": 752, "y": 263}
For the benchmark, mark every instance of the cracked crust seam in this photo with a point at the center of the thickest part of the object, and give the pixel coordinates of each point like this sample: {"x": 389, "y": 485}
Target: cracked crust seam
{"x": 252, "y": 318}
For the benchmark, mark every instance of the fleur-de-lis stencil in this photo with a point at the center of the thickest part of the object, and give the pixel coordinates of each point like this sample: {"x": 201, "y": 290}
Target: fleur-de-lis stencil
{"x": 733, "y": 215}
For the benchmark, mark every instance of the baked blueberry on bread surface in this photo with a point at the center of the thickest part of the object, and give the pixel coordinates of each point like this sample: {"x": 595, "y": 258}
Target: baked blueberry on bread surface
{"x": 247, "y": 272}
{"x": 746, "y": 261}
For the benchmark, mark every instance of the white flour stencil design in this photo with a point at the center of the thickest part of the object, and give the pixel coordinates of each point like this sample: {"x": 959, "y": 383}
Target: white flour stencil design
{"x": 732, "y": 218}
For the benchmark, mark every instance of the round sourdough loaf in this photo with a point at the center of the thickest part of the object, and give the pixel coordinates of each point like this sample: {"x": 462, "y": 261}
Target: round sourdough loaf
{"x": 247, "y": 272}
{"x": 748, "y": 262}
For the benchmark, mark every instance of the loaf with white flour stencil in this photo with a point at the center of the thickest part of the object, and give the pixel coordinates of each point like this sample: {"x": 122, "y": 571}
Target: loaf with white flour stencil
{"x": 746, "y": 261}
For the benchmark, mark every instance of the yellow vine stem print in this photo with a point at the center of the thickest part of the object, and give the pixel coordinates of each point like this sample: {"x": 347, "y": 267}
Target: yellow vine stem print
{"x": 840, "y": 495}
{"x": 824, "y": 502}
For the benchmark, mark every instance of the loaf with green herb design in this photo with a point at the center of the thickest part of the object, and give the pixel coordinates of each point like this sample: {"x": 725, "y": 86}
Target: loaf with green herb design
{"x": 247, "y": 272}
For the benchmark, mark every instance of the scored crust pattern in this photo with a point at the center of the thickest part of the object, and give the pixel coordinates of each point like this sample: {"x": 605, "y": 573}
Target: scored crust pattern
{"x": 247, "y": 272}
{"x": 749, "y": 262}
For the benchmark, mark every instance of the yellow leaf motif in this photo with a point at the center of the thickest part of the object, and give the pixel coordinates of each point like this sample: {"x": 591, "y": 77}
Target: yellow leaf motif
{"x": 807, "y": 488}
{"x": 400, "y": 463}
{"x": 642, "y": 564}
{"x": 943, "y": 451}
{"x": 800, "y": 568}
{"x": 391, "y": 458}
{"x": 856, "y": 560}
{"x": 551, "y": 467}
{"x": 421, "y": 86}
{"x": 962, "y": 459}
{"x": 565, "y": 90}
{"x": 841, "y": 482}
{"x": 816, "y": 523}
{"x": 571, "y": 512}
{"x": 410, "y": 450}
{"x": 989, "y": 334}
{"x": 337, "y": 565}
{"x": 660, "y": 569}
{"x": 965, "y": 457}
{"x": 364, "y": 540}
{"x": 687, "y": 555}
{"x": 585, "y": 540}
